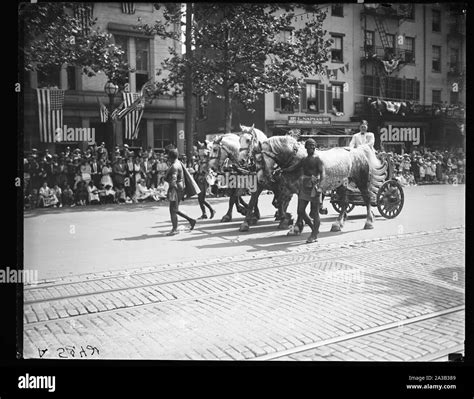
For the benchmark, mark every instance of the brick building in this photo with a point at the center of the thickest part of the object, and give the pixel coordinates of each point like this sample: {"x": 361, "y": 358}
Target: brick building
{"x": 429, "y": 42}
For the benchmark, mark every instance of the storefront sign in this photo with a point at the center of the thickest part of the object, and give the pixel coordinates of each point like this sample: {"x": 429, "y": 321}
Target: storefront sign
{"x": 309, "y": 120}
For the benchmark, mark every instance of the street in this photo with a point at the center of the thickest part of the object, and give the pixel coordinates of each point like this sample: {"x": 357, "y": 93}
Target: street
{"x": 113, "y": 285}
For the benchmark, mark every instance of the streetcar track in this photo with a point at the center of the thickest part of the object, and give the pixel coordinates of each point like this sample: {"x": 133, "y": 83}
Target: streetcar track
{"x": 128, "y": 276}
{"x": 367, "y": 332}
{"x": 212, "y": 276}
{"x": 130, "y": 272}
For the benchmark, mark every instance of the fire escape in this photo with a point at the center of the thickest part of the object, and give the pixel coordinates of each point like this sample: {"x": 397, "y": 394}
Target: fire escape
{"x": 371, "y": 55}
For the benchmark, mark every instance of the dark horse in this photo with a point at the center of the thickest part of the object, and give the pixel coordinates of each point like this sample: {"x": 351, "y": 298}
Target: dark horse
{"x": 338, "y": 168}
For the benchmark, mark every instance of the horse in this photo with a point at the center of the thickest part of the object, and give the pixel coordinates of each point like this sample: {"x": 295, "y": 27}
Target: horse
{"x": 224, "y": 153}
{"x": 251, "y": 140}
{"x": 339, "y": 166}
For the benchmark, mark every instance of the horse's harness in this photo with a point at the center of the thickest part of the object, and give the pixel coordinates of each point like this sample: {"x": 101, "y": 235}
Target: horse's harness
{"x": 274, "y": 158}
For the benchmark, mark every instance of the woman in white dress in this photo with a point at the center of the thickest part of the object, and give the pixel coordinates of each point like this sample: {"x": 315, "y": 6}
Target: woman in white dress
{"x": 93, "y": 193}
{"x": 106, "y": 179}
{"x": 86, "y": 171}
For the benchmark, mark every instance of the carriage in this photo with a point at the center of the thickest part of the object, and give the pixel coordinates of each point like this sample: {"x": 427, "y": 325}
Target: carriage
{"x": 389, "y": 199}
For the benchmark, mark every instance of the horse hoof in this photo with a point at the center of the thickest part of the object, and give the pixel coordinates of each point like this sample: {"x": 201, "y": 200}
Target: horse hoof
{"x": 244, "y": 227}
{"x": 253, "y": 221}
{"x": 311, "y": 239}
{"x": 226, "y": 218}
{"x": 335, "y": 227}
{"x": 283, "y": 225}
{"x": 368, "y": 226}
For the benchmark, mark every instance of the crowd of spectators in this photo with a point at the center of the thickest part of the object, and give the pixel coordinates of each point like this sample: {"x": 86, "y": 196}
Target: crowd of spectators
{"x": 77, "y": 178}
{"x": 428, "y": 167}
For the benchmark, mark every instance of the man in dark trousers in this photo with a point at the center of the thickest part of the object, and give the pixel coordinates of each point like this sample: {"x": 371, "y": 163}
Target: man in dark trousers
{"x": 175, "y": 178}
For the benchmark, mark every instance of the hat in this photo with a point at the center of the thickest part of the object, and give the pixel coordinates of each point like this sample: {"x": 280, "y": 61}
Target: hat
{"x": 125, "y": 145}
{"x": 308, "y": 142}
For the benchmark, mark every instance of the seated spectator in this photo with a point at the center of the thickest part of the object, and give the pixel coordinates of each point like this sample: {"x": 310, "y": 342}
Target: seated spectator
{"x": 143, "y": 193}
{"x": 32, "y": 199}
{"x": 81, "y": 194}
{"x": 93, "y": 193}
{"x": 68, "y": 196}
{"x": 46, "y": 197}
{"x": 58, "y": 193}
{"x": 162, "y": 188}
{"x": 106, "y": 179}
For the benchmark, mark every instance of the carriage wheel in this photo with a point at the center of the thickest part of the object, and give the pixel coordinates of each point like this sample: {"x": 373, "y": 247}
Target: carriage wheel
{"x": 390, "y": 199}
{"x": 337, "y": 207}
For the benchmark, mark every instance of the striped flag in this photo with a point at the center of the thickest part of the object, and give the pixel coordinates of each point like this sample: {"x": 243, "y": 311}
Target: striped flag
{"x": 133, "y": 112}
{"x": 50, "y": 111}
{"x": 128, "y": 8}
{"x": 116, "y": 111}
{"x": 104, "y": 112}
{"x": 84, "y": 13}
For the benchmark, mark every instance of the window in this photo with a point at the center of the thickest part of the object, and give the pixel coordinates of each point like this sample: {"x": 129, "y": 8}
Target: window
{"x": 390, "y": 49}
{"x": 283, "y": 103}
{"x": 454, "y": 60}
{"x": 454, "y": 97}
{"x": 202, "y": 107}
{"x": 369, "y": 41}
{"x": 142, "y": 48}
{"x": 436, "y": 97}
{"x": 436, "y": 59}
{"x": 71, "y": 77}
{"x": 312, "y": 97}
{"x": 337, "y": 98}
{"x": 410, "y": 49}
{"x": 286, "y": 35}
{"x": 49, "y": 77}
{"x": 337, "y": 10}
{"x": 164, "y": 133}
{"x": 286, "y": 105}
{"x": 371, "y": 85}
{"x": 336, "y": 51}
{"x": 412, "y": 90}
{"x": 436, "y": 20}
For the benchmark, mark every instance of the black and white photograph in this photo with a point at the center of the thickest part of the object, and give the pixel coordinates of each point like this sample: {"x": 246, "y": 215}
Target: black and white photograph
{"x": 243, "y": 182}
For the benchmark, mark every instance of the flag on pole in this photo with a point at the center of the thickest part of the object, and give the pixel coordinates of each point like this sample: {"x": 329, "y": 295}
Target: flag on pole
{"x": 104, "y": 112}
{"x": 50, "y": 112}
{"x": 116, "y": 111}
{"x": 132, "y": 112}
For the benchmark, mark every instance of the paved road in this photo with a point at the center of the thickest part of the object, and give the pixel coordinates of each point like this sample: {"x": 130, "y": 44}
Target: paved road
{"x": 398, "y": 298}
{"x": 65, "y": 242}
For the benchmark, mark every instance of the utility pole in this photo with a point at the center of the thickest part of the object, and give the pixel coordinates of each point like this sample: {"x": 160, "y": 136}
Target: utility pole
{"x": 188, "y": 85}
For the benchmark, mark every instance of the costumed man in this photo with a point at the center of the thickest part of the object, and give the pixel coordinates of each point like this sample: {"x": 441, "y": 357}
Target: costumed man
{"x": 201, "y": 179}
{"x": 363, "y": 137}
{"x": 175, "y": 176}
{"x": 309, "y": 193}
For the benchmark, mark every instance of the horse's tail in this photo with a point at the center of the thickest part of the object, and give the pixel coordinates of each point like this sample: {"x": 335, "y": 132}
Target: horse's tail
{"x": 377, "y": 169}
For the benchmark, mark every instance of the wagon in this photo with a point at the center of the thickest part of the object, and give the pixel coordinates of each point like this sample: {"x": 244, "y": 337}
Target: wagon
{"x": 389, "y": 199}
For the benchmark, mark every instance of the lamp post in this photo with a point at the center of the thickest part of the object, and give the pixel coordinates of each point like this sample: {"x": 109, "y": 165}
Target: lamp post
{"x": 111, "y": 89}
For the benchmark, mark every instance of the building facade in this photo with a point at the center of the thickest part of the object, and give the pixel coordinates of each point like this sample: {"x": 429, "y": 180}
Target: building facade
{"x": 404, "y": 55}
{"x": 163, "y": 120}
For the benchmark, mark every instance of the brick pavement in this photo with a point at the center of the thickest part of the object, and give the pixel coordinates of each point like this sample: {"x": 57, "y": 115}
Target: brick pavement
{"x": 247, "y": 307}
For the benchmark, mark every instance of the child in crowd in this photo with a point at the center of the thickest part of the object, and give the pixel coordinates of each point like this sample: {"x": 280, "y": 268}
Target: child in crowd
{"x": 68, "y": 196}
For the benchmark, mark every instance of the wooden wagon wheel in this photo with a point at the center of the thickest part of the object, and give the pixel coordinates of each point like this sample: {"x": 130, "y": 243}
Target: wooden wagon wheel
{"x": 337, "y": 207}
{"x": 390, "y": 199}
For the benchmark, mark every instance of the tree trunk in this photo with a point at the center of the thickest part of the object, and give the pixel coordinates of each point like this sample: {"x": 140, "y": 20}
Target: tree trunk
{"x": 228, "y": 110}
{"x": 188, "y": 87}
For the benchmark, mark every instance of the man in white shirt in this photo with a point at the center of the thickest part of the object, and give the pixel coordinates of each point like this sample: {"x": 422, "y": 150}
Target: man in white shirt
{"x": 363, "y": 137}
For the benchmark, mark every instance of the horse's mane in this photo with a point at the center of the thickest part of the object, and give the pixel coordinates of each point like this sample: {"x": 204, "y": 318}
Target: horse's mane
{"x": 283, "y": 147}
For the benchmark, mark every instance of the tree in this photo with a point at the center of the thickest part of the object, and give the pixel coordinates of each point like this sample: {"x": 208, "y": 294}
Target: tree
{"x": 55, "y": 34}
{"x": 238, "y": 55}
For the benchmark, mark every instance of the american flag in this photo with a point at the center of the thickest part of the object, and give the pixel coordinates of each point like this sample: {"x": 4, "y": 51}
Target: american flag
{"x": 50, "y": 111}
{"x": 128, "y": 8}
{"x": 116, "y": 111}
{"x": 84, "y": 13}
{"x": 133, "y": 112}
{"x": 104, "y": 112}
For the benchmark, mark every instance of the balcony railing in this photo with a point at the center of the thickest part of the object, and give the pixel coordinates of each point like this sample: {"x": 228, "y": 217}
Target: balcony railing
{"x": 400, "y": 11}
{"x": 450, "y": 111}
{"x": 370, "y": 52}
